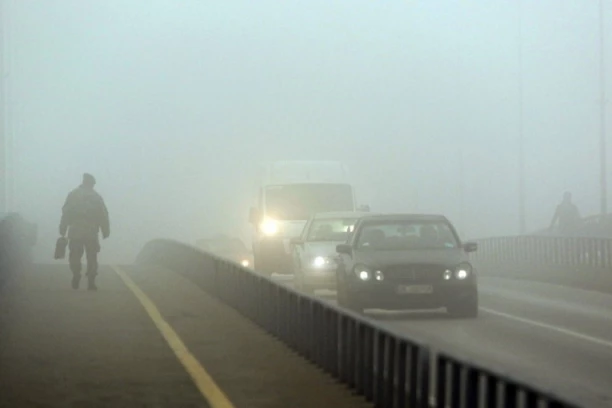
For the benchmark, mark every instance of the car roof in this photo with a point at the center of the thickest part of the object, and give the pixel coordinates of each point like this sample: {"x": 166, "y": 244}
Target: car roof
{"x": 404, "y": 217}
{"x": 340, "y": 214}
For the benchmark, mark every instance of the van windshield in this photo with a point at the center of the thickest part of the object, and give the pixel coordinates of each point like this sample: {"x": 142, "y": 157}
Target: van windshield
{"x": 300, "y": 201}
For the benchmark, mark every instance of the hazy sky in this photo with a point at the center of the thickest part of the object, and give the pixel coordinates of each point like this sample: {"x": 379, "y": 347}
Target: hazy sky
{"x": 172, "y": 104}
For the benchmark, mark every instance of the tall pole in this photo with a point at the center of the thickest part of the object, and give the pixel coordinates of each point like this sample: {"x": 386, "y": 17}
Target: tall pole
{"x": 3, "y": 111}
{"x": 602, "y": 113}
{"x": 521, "y": 141}
{"x": 462, "y": 191}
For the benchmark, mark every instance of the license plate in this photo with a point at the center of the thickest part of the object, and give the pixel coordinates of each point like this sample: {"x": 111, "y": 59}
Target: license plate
{"x": 415, "y": 289}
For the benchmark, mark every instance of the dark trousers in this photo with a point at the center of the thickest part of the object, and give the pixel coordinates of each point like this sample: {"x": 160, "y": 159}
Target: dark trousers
{"x": 89, "y": 247}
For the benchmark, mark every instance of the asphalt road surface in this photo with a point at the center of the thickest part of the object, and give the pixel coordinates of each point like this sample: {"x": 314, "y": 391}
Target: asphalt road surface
{"x": 147, "y": 338}
{"x": 557, "y": 337}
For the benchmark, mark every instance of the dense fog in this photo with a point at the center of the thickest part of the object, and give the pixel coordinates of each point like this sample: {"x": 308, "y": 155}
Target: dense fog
{"x": 173, "y": 104}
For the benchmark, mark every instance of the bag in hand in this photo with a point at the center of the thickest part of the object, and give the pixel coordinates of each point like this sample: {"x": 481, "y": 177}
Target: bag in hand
{"x": 60, "y": 248}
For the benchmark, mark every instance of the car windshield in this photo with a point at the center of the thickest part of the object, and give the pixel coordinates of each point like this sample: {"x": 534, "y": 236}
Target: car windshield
{"x": 407, "y": 235}
{"x": 300, "y": 201}
{"x": 336, "y": 229}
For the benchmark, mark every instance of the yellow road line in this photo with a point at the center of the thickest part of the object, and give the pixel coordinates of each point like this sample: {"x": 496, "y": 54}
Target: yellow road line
{"x": 208, "y": 388}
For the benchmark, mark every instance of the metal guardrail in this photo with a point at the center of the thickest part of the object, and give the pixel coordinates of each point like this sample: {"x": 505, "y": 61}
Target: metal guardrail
{"x": 544, "y": 250}
{"x": 387, "y": 368}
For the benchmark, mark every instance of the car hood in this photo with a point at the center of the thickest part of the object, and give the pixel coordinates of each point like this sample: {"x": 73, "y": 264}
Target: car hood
{"x": 432, "y": 256}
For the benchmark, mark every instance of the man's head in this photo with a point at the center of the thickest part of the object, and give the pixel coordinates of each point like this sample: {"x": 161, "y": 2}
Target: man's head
{"x": 567, "y": 197}
{"x": 88, "y": 180}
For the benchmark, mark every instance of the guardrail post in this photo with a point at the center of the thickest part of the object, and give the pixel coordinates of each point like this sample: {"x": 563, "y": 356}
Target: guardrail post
{"x": 492, "y": 391}
{"x": 424, "y": 371}
{"x": 402, "y": 367}
{"x": 510, "y": 394}
{"x": 441, "y": 380}
{"x": 390, "y": 373}
{"x": 472, "y": 387}
{"x": 369, "y": 362}
{"x": 380, "y": 368}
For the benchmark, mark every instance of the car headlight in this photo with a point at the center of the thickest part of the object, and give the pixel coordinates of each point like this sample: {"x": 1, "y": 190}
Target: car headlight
{"x": 322, "y": 261}
{"x": 363, "y": 272}
{"x": 269, "y": 227}
{"x": 244, "y": 263}
{"x": 463, "y": 271}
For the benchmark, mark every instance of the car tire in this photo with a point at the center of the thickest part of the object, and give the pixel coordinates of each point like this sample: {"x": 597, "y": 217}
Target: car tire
{"x": 465, "y": 309}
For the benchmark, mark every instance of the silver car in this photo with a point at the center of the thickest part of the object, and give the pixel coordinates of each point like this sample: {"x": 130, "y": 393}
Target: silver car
{"x": 314, "y": 251}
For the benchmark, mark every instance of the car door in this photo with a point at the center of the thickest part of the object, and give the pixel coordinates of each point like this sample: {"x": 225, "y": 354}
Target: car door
{"x": 346, "y": 262}
{"x": 298, "y": 250}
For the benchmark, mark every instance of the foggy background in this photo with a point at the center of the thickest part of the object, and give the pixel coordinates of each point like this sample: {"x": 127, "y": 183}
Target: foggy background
{"x": 172, "y": 104}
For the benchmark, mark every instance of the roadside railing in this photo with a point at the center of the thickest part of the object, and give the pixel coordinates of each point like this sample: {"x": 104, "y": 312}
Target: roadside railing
{"x": 388, "y": 368}
{"x": 543, "y": 250}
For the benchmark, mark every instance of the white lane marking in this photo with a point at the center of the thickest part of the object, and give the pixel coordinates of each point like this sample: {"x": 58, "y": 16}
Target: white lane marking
{"x": 568, "y": 332}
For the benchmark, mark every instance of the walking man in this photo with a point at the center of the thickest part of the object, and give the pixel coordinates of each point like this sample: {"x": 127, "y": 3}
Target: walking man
{"x": 83, "y": 216}
{"x": 567, "y": 214}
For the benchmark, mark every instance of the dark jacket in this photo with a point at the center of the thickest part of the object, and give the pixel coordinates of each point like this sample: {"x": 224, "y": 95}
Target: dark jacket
{"x": 84, "y": 214}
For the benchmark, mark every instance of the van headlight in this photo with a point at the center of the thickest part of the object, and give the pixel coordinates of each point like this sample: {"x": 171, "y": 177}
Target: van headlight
{"x": 269, "y": 227}
{"x": 463, "y": 271}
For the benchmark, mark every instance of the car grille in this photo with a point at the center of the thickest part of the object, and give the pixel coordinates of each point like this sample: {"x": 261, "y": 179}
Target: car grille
{"x": 414, "y": 273}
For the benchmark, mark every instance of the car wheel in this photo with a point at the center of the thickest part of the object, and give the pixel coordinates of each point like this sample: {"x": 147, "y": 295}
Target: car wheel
{"x": 465, "y": 309}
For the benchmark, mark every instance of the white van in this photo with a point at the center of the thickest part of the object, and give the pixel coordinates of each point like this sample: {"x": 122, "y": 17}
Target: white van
{"x": 289, "y": 194}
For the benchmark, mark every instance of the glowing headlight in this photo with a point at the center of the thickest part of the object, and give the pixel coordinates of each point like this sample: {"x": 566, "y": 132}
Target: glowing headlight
{"x": 378, "y": 275}
{"x": 319, "y": 262}
{"x": 244, "y": 263}
{"x": 269, "y": 227}
{"x": 463, "y": 271}
{"x": 448, "y": 274}
{"x": 363, "y": 273}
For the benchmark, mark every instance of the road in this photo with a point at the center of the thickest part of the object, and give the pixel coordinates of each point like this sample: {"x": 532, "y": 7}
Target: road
{"x": 147, "y": 338}
{"x": 554, "y": 336}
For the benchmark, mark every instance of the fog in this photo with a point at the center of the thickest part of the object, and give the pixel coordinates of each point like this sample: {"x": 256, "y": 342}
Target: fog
{"x": 172, "y": 105}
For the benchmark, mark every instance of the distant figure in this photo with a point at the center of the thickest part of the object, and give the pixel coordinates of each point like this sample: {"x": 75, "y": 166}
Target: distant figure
{"x": 567, "y": 214}
{"x": 84, "y": 214}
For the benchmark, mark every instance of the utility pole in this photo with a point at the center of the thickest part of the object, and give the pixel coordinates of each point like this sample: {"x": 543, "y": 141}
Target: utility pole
{"x": 6, "y": 171}
{"x": 521, "y": 141}
{"x": 602, "y": 113}
{"x": 3, "y": 126}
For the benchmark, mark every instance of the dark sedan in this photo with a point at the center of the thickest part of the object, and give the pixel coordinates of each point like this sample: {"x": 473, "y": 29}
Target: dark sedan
{"x": 406, "y": 262}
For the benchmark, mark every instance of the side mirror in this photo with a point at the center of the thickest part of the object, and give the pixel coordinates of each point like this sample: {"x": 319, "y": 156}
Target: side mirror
{"x": 254, "y": 216}
{"x": 344, "y": 249}
{"x": 470, "y": 247}
{"x": 296, "y": 241}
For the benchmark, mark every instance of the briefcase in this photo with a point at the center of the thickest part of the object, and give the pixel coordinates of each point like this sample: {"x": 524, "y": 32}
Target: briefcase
{"x": 60, "y": 248}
